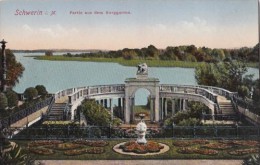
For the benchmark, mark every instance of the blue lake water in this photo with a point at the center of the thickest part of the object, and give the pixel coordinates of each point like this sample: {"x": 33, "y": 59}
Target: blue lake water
{"x": 59, "y": 75}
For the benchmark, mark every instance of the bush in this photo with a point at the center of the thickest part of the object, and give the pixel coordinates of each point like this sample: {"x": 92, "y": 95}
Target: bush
{"x": 12, "y": 98}
{"x": 189, "y": 122}
{"x": 41, "y": 90}
{"x": 3, "y": 101}
{"x": 95, "y": 113}
{"x": 48, "y": 53}
{"x": 30, "y": 93}
{"x": 188, "y": 116}
{"x": 252, "y": 160}
{"x": 243, "y": 91}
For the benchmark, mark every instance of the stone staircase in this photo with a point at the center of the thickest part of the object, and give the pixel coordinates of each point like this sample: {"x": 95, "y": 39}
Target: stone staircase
{"x": 227, "y": 108}
{"x": 228, "y": 112}
{"x": 56, "y": 112}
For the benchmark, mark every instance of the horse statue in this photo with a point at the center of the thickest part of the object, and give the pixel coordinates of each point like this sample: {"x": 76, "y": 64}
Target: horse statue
{"x": 142, "y": 69}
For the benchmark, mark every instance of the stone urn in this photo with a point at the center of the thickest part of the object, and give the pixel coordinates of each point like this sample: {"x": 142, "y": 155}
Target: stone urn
{"x": 141, "y": 131}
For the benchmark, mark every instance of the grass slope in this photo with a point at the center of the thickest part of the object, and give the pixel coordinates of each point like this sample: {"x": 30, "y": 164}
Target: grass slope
{"x": 109, "y": 154}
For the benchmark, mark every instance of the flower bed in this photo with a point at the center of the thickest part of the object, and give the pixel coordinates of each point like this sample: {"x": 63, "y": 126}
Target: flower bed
{"x": 41, "y": 151}
{"x": 185, "y": 143}
{"x": 65, "y": 146}
{"x": 99, "y": 143}
{"x": 190, "y": 150}
{"x": 149, "y": 147}
{"x": 240, "y": 152}
{"x": 75, "y": 152}
{"x": 219, "y": 146}
{"x": 249, "y": 143}
{"x": 44, "y": 142}
{"x": 182, "y": 143}
{"x": 95, "y": 150}
{"x": 200, "y": 141}
{"x": 207, "y": 152}
{"x": 187, "y": 150}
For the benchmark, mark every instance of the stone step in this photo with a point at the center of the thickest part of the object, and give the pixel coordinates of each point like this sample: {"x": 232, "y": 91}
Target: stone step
{"x": 56, "y": 112}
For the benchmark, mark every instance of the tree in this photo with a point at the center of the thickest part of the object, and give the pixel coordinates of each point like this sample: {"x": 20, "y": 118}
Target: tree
{"x": 41, "y": 90}
{"x": 152, "y": 51}
{"x": 228, "y": 74}
{"x": 3, "y": 101}
{"x": 95, "y": 113}
{"x": 30, "y": 93}
{"x": 12, "y": 98}
{"x": 14, "y": 68}
{"x": 188, "y": 117}
{"x": 205, "y": 75}
{"x": 49, "y": 53}
{"x": 218, "y": 54}
{"x": 243, "y": 91}
{"x": 129, "y": 54}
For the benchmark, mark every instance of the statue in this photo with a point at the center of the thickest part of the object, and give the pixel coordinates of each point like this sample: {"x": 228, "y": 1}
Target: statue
{"x": 142, "y": 69}
{"x": 141, "y": 131}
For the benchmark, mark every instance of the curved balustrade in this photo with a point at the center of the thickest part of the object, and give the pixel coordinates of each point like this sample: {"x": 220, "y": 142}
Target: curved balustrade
{"x": 191, "y": 97}
{"x": 189, "y": 90}
{"x": 204, "y": 94}
{"x": 97, "y": 91}
{"x": 220, "y": 91}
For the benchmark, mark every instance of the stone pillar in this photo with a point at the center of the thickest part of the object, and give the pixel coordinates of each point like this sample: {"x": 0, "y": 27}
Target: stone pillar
{"x": 127, "y": 109}
{"x": 119, "y": 102}
{"x": 105, "y": 103}
{"x": 165, "y": 107}
{"x": 162, "y": 108}
{"x": 184, "y": 105}
{"x": 132, "y": 109}
{"x": 111, "y": 109}
{"x": 152, "y": 109}
{"x": 180, "y": 105}
{"x": 173, "y": 107}
{"x": 123, "y": 107}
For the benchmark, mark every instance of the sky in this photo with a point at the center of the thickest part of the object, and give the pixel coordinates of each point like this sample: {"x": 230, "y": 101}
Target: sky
{"x": 162, "y": 23}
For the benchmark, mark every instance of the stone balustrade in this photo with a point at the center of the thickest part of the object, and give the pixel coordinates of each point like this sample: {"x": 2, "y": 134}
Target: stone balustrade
{"x": 103, "y": 93}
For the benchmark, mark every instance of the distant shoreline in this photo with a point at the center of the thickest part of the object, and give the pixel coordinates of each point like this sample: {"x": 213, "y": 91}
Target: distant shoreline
{"x": 133, "y": 62}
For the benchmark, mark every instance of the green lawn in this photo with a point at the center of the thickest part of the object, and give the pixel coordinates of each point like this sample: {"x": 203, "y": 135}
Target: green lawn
{"x": 134, "y": 62}
{"x": 121, "y": 61}
{"x": 109, "y": 154}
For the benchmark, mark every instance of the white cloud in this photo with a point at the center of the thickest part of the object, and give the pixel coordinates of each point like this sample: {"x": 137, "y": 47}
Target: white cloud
{"x": 27, "y": 28}
{"x": 54, "y": 31}
{"x": 197, "y": 25}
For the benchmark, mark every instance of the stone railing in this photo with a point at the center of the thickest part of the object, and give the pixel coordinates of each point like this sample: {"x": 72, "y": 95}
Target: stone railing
{"x": 249, "y": 115}
{"x": 93, "y": 91}
{"x": 6, "y": 122}
{"x": 220, "y": 91}
{"x": 188, "y": 89}
{"x": 63, "y": 93}
{"x": 193, "y": 97}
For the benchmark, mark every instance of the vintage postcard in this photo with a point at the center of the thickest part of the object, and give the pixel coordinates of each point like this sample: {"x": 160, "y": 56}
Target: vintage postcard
{"x": 129, "y": 81}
